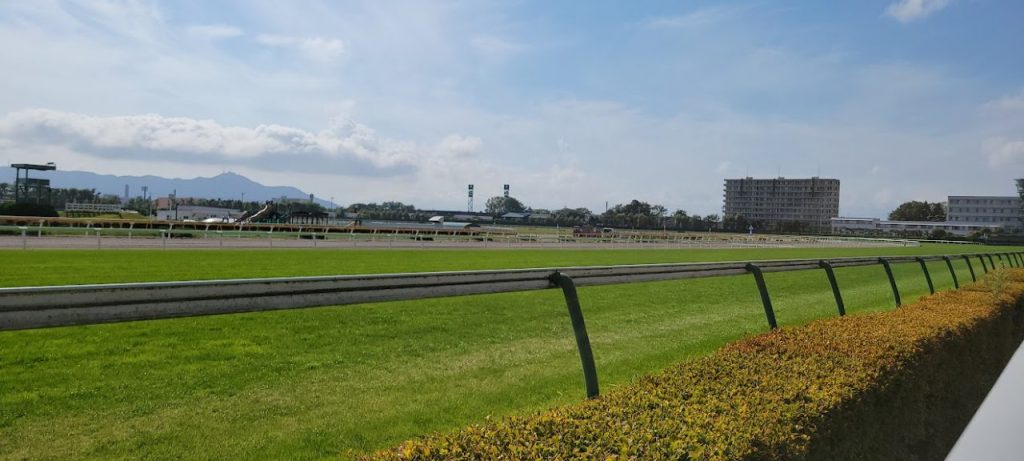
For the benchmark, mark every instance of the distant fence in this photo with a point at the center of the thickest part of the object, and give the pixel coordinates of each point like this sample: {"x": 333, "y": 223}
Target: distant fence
{"x": 92, "y": 207}
{"x": 37, "y": 307}
{"x": 128, "y": 234}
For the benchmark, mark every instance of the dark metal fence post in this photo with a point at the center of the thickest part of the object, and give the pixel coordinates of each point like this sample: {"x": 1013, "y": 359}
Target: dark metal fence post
{"x": 991, "y": 262}
{"x": 892, "y": 280}
{"x": 971, "y": 268}
{"x": 835, "y": 286}
{"x": 765, "y": 299}
{"x": 949, "y": 264}
{"x": 572, "y": 301}
{"x": 983, "y": 266}
{"x": 927, "y": 276}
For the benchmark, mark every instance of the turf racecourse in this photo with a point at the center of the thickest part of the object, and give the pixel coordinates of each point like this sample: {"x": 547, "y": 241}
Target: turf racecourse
{"x": 336, "y": 382}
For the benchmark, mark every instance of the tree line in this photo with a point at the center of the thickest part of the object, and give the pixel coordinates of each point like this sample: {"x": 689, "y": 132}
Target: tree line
{"x": 633, "y": 214}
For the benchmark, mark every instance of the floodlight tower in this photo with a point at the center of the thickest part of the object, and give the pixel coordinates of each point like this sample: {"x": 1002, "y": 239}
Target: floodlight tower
{"x": 506, "y": 190}
{"x": 470, "y": 202}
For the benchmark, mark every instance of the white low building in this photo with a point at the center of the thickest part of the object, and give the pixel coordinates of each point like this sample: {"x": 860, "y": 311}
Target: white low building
{"x": 976, "y": 209}
{"x": 874, "y": 225}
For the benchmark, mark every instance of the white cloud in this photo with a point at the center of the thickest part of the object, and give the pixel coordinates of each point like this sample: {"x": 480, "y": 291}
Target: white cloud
{"x": 315, "y": 48}
{"x": 912, "y": 10}
{"x": 461, "y": 146}
{"x": 214, "y": 31}
{"x": 140, "y": 20}
{"x": 1003, "y": 153}
{"x": 1011, "y": 103}
{"x": 694, "y": 19}
{"x": 491, "y": 46}
{"x": 346, "y": 145}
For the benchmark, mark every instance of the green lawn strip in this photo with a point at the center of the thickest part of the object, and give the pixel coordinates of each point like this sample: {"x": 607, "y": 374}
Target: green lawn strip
{"x": 59, "y": 267}
{"x": 315, "y": 382}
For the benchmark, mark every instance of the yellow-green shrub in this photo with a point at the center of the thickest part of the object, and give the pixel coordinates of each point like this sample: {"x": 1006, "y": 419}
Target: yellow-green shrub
{"x": 894, "y": 385}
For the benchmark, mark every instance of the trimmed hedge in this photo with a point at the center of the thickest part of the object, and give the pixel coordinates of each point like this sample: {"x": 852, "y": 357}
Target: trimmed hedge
{"x": 894, "y": 385}
{"x": 27, "y": 209}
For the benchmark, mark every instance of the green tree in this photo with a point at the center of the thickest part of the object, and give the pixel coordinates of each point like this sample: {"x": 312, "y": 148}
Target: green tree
{"x": 572, "y": 216}
{"x": 497, "y": 206}
{"x": 712, "y": 221}
{"x": 919, "y": 211}
{"x": 635, "y": 214}
{"x": 680, "y": 220}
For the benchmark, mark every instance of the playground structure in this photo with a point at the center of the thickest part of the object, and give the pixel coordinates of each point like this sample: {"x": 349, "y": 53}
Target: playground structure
{"x": 258, "y": 215}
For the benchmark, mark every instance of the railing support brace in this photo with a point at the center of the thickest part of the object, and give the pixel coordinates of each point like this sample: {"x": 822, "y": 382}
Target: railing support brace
{"x": 572, "y": 301}
{"x": 927, "y": 276}
{"x": 971, "y": 268}
{"x": 991, "y": 262}
{"x": 949, "y": 264}
{"x": 835, "y": 286}
{"x": 983, "y": 266}
{"x": 892, "y": 280}
{"x": 766, "y": 300}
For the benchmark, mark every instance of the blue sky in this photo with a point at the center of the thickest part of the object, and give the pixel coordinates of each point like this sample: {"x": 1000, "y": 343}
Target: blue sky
{"x": 572, "y": 103}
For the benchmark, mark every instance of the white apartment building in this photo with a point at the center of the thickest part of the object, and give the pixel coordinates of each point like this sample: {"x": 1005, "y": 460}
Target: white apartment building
{"x": 810, "y": 201}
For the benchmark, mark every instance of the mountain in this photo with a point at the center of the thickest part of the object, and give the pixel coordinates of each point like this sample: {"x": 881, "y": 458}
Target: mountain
{"x": 224, "y": 186}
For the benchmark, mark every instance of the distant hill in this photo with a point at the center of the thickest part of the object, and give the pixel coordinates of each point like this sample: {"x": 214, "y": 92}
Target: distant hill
{"x": 224, "y": 186}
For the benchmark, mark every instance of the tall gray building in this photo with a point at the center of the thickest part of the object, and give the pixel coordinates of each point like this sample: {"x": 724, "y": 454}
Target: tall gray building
{"x": 780, "y": 203}
{"x": 976, "y": 209}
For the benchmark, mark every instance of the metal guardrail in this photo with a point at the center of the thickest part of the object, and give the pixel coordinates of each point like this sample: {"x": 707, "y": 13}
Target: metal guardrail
{"x": 52, "y": 306}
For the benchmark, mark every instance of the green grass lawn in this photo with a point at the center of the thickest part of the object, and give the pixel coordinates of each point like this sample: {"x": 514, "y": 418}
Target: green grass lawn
{"x": 323, "y": 382}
